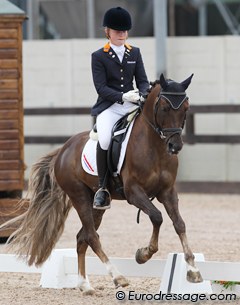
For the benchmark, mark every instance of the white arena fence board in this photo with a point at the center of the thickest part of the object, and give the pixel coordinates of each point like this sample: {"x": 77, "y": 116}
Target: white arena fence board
{"x": 127, "y": 266}
{"x": 65, "y": 260}
{"x": 11, "y": 263}
{"x": 226, "y": 271}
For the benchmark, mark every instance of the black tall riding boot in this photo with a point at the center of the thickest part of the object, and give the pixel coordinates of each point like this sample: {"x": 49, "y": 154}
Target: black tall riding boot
{"x": 102, "y": 197}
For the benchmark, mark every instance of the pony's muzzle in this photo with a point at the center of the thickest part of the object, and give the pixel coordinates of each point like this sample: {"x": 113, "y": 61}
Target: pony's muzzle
{"x": 174, "y": 144}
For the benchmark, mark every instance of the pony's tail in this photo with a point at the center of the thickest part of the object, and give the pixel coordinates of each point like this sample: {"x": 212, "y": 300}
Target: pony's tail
{"x": 42, "y": 224}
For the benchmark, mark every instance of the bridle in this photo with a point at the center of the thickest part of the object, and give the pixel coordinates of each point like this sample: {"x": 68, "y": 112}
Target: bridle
{"x": 166, "y": 133}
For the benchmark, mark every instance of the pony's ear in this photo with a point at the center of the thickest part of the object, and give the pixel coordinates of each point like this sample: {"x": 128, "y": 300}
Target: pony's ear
{"x": 187, "y": 82}
{"x": 163, "y": 82}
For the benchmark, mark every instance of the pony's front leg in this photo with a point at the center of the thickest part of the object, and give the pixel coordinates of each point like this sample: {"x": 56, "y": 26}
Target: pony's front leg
{"x": 193, "y": 273}
{"x": 144, "y": 254}
{"x": 170, "y": 202}
{"x": 136, "y": 196}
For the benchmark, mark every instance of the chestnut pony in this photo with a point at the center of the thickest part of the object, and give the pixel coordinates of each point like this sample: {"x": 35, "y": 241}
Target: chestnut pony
{"x": 59, "y": 182}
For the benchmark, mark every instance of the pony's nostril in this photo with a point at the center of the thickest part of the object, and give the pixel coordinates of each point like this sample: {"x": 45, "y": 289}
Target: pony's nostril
{"x": 173, "y": 149}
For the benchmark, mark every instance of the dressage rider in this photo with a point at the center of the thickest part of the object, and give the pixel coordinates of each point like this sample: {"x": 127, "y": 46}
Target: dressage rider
{"x": 114, "y": 67}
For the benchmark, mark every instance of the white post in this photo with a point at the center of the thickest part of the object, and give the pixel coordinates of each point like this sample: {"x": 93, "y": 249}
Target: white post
{"x": 160, "y": 32}
{"x": 90, "y": 18}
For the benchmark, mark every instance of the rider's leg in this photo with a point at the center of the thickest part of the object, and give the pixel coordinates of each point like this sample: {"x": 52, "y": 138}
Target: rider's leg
{"x": 102, "y": 197}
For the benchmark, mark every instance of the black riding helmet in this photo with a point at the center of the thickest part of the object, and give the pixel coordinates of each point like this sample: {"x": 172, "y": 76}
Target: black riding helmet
{"x": 118, "y": 19}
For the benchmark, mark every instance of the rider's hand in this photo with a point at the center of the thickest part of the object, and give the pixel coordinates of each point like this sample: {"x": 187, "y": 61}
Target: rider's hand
{"x": 131, "y": 96}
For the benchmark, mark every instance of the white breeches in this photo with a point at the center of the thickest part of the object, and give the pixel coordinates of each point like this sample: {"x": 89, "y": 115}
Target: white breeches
{"x": 106, "y": 120}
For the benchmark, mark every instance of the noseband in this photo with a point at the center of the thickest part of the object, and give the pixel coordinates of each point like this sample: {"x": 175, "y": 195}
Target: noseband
{"x": 167, "y": 133}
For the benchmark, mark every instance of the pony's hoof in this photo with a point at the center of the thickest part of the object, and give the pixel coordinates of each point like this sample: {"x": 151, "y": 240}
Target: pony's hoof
{"x": 90, "y": 291}
{"x": 194, "y": 277}
{"x": 140, "y": 257}
{"x": 120, "y": 281}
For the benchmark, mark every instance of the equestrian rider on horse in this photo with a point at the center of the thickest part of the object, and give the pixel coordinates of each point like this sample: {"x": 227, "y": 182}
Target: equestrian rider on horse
{"x": 114, "y": 67}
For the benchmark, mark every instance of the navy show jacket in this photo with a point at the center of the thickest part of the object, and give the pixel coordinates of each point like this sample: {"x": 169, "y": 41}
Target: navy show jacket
{"x": 112, "y": 78}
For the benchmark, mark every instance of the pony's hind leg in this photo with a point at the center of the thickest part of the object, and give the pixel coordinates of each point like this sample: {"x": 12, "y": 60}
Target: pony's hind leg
{"x": 170, "y": 202}
{"x": 83, "y": 282}
{"x": 118, "y": 279}
{"x": 91, "y": 220}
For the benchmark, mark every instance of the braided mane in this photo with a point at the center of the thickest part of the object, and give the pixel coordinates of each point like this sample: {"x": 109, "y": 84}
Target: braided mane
{"x": 156, "y": 82}
{"x": 152, "y": 85}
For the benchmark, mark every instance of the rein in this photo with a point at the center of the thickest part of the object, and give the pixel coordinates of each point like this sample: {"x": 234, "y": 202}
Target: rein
{"x": 156, "y": 127}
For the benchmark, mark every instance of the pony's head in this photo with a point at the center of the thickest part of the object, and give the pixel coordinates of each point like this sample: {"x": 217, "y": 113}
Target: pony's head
{"x": 169, "y": 111}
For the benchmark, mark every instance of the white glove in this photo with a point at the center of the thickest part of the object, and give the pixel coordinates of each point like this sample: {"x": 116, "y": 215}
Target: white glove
{"x": 131, "y": 96}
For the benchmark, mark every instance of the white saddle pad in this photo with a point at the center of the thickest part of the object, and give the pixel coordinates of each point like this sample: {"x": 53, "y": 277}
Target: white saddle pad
{"x": 88, "y": 158}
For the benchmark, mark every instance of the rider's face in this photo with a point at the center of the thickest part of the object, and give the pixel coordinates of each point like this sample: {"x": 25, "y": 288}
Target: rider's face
{"x": 117, "y": 38}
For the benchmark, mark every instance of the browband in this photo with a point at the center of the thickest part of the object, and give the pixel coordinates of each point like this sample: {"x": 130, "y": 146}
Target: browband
{"x": 172, "y": 93}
